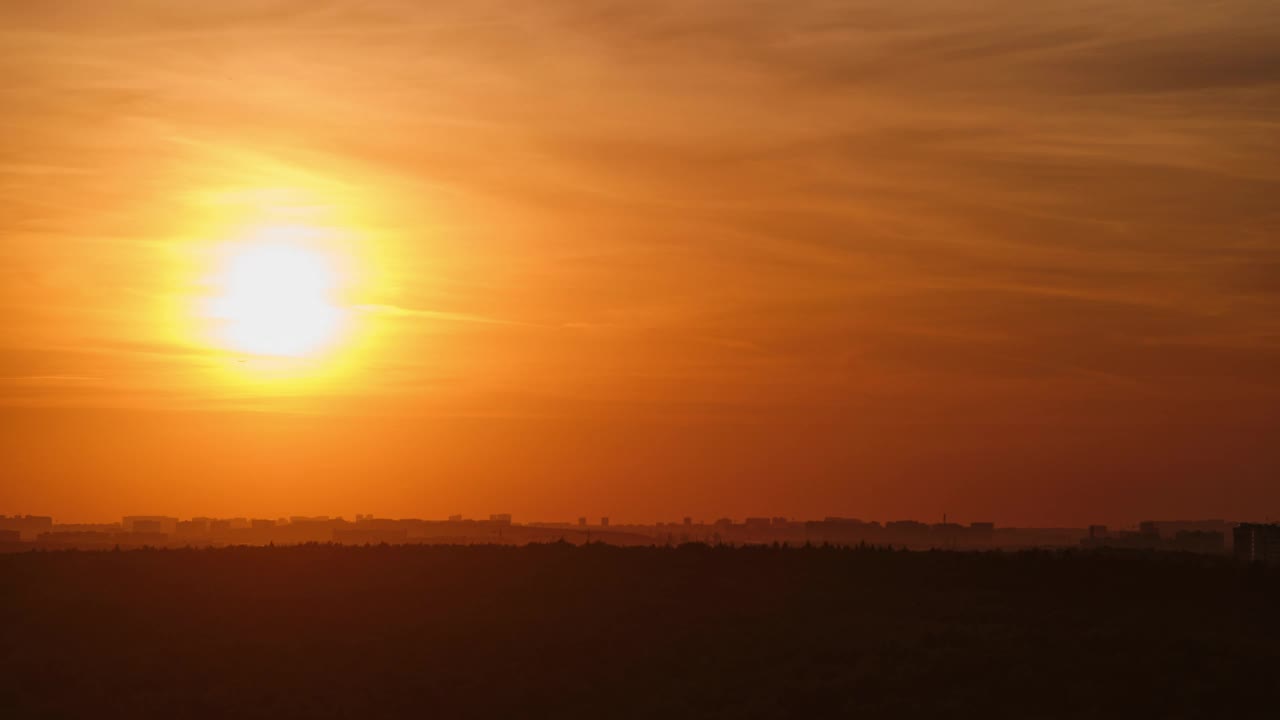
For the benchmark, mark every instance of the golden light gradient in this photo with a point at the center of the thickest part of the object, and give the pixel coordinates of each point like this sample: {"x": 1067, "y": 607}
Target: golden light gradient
{"x": 274, "y": 281}
{"x": 1011, "y": 261}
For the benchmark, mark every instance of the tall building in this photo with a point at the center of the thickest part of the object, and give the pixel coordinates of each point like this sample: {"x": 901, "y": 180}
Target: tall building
{"x": 1256, "y": 542}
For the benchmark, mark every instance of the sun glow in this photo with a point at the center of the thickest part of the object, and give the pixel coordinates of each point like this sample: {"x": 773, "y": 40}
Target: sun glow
{"x": 273, "y": 283}
{"x": 278, "y": 295}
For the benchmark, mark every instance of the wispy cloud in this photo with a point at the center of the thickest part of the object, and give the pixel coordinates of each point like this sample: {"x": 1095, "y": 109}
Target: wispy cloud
{"x": 782, "y": 185}
{"x": 401, "y": 312}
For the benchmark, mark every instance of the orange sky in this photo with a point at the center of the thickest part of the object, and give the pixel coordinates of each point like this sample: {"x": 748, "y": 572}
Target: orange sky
{"x": 1010, "y": 261}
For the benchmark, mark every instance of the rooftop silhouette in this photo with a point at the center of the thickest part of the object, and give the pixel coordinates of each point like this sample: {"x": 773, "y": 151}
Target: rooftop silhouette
{"x": 1213, "y": 537}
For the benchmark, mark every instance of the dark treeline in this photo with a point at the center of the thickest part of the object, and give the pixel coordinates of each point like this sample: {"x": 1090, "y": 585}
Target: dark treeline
{"x": 555, "y": 630}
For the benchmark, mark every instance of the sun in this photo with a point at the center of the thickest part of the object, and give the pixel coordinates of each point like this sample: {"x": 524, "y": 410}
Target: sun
{"x": 277, "y": 296}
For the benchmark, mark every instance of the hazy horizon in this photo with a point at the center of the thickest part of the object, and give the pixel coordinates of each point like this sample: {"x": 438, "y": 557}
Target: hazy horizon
{"x": 594, "y": 520}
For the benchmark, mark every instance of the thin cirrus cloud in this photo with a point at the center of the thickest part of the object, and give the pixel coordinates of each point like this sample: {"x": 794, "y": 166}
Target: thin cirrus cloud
{"x": 853, "y": 199}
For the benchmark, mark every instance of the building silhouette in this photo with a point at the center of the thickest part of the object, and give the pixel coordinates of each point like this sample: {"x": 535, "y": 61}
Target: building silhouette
{"x": 27, "y": 526}
{"x": 1257, "y": 542}
{"x": 149, "y": 523}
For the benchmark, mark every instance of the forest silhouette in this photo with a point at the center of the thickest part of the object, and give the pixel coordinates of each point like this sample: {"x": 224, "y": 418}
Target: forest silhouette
{"x": 328, "y": 631}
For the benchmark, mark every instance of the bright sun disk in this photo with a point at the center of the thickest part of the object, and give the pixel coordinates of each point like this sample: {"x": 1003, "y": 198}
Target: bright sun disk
{"x": 278, "y": 299}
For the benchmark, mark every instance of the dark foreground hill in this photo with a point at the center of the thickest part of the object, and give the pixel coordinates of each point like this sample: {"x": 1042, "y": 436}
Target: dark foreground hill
{"x": 598, "y": 631}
